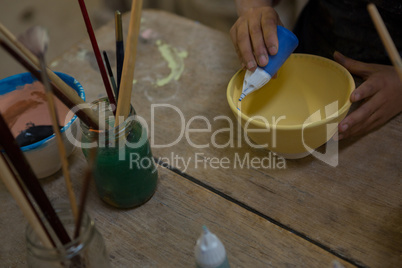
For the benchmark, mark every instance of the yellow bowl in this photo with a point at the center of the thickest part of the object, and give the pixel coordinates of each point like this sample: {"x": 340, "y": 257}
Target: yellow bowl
{"x": 298, "y": 111}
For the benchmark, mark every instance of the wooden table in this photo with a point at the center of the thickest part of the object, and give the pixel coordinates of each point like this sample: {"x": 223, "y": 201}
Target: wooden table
{"x": 305, "y": 215}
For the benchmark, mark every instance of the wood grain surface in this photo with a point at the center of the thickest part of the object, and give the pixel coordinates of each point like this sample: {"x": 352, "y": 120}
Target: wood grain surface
{"x": 352, "y": 211}
{"x": 163, "y": 232}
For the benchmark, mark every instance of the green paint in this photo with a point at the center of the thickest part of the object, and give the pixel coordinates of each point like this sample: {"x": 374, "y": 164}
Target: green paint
{"x": 124, "y": 176}
{"x": 175, "y": 60}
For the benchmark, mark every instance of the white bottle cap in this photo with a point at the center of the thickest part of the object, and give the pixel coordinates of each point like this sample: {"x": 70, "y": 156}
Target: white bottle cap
{"x": 209, "y": 250}
{"x": 253, "y": 81}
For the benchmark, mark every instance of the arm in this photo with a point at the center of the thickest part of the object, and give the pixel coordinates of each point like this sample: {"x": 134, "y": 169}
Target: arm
{"x": 254, "y": 33}
{"x": 243, "y": 6}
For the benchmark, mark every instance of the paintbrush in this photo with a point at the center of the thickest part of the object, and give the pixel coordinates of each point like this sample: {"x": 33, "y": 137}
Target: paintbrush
{"x": 18, "y": 193}
{"x": 71, "y": 97}
{"x": 127, "y": 76}
{"x": 85, "y": 185}
{"x": 386, "y": 39}
{"x": 119, "y": 47}
{"x": 31, "y": 182}
{"x": 36, "y": 40}
{"x": 98, "y": 56}
{"x": 83, "y": 200}
{"x": 109, "y": 69}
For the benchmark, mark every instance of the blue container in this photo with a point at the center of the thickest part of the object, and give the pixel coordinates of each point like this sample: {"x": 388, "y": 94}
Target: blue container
{"x": 287, "y": 44}
{"x": 43, "y": 155}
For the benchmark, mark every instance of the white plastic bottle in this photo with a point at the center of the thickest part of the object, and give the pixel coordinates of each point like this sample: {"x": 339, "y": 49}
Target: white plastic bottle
{"x": 210, "y": 252}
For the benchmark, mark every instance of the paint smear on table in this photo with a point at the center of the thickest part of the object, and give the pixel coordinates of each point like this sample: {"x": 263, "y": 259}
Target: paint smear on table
{"x": 26, "y": 106}
{"x": 175, "y": 60}
{"x": 81, "y": 55}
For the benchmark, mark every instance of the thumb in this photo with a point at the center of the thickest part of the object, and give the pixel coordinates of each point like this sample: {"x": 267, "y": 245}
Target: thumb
{"x": 355, "y": 67}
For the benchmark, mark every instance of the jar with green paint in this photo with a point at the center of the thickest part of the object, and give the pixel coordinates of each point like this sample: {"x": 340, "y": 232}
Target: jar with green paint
{"x": 124, "y": 170}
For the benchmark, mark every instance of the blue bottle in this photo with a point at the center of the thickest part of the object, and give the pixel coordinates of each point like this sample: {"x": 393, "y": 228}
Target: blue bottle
{"x": 287, "y": 43}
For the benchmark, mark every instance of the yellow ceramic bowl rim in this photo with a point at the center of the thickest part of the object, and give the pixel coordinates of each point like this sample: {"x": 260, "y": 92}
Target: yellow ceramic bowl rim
{"x": 261, "y": 124}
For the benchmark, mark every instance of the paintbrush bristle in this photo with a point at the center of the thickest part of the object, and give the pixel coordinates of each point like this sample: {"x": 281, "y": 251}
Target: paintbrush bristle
{"x": 35, "y": 39}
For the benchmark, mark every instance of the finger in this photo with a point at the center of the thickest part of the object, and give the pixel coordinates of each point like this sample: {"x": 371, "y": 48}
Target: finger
{"x": 355, "y": 67}
{"x": 236, "y": 47}
{"x": 257, "y": 40}
{"x": 360, "y": 118}
{"x": 269, "y": 23}
{"x": 244, "y": 45}
{"x": 373, "y": 122}
{"x": 233, "y": 35}
{"x": 359, "y": 115}
{"x": 367, "y": 89}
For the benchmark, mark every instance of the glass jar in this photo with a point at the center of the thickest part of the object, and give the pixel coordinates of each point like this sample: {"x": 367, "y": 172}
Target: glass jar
{"x": 125, "y": 173}
{"x": 87, "y": 250}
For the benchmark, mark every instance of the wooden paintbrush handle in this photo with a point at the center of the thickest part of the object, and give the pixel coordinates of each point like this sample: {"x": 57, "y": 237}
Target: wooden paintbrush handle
{"x": 386, "y": 38}
{"x": 124, "y": 101}
{"x": 30, "y": 180}
{"x": 59, "y": 139}
{"x": 17, "y": 192}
